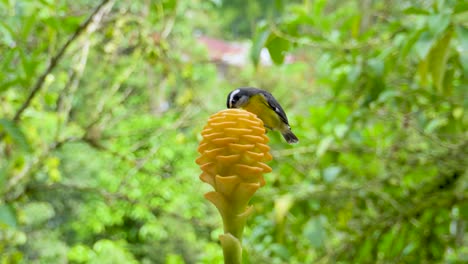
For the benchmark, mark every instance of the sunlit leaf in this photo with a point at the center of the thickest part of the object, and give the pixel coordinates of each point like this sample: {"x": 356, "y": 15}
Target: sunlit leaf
{"x": 80, "y": 253}
{"x": 457, "y": 113}
{"x": 282, "y": 206}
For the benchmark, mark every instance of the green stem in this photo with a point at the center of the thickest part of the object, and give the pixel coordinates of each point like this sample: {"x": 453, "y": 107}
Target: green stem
{"x": 232, "y": 249}
{"x": 234, "y": 225}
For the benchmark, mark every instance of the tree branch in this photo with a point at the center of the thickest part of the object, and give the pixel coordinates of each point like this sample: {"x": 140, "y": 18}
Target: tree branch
{"x": 93, "y": 19}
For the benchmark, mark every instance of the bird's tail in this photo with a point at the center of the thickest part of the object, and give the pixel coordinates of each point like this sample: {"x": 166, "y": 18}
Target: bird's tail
{"x": 290, "y": 137}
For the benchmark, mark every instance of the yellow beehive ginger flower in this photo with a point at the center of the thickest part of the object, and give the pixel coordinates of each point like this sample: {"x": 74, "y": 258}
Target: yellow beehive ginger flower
{"x": 233, "y": 154}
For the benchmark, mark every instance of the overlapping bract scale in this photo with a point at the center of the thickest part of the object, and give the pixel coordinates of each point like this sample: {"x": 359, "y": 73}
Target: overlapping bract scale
{"x": 234, "y": 143}
{"x": 233, "y": 154}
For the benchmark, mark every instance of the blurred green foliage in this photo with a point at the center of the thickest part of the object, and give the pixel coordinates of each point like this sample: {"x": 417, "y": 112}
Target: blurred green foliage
{"x": 97, "y": 157}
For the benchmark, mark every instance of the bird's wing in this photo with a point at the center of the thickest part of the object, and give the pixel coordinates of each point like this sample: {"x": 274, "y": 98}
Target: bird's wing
{"x": 273, "y": 104}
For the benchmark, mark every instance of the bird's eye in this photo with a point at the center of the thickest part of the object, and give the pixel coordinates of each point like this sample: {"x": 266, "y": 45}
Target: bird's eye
{"x": 235, "y": 98}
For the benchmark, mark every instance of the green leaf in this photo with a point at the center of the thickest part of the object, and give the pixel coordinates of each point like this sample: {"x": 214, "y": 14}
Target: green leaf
{"x": 331, "y": 173}
{"x": 277, "y": 48}
{"x": 437, "y": 24}
{"x": 80, "y": 253}
{"x": 410, "y": 42}
{"x": 463, "y": 211}
{"x": 340, "y": 130}
{"x": 47, "y": 3}
{"x": 462, "y": 36}
{"x": 169, "y": 5}
{"x": 365, "y": 251}
{"x": 423, "y": 45}
{"x": 7, "y": 34}
{"x": 377, "y": 66}
{"x": 28, "y": 25}
{"x": 457, "y": 113}
{"x": 12, "y": 130}
{"x": 174, "y": 259}
{"x": 460, "y": 7}
{"x": 318, "y": 7}
{"x": 423, "y": 71}
{"x": 7, "y": 84}
{"x": 438, "y": 60}
{"x": 314, "y": 231}
{"x": 29, "y": 64}
{"x": 37, "y": 212}
{"x": 281, "y": 251}
{"x": 245, "y": 256}
{"x": 3, "y": 177}
{"x": 7, "y": 215}
{"x": 435, "y": 124}
{"x": 258, "y": 43}
{"x": 416, "y": 11}
{"x": 279, "y": 5}
{"x": 282, "y": 206}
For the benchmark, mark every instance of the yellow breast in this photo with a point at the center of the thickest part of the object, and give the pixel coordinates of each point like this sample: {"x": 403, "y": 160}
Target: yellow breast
{"x": 259, "y": 106}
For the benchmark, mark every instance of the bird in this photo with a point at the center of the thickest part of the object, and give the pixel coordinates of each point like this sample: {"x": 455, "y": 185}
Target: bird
{"x": 264, "y": 106}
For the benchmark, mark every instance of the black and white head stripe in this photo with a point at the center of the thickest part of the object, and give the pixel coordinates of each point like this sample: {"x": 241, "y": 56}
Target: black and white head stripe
{"x": 232, "y": 96}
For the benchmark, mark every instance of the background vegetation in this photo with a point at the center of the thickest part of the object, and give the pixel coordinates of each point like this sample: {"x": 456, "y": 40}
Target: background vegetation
{"x": 102, "y": 104}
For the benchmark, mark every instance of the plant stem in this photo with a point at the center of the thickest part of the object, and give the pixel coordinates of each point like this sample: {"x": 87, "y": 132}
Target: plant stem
{"x": 232, "y": 249}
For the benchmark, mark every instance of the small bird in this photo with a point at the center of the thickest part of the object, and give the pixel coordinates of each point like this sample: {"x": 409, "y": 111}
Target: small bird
{"x": 265, "y": 106}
